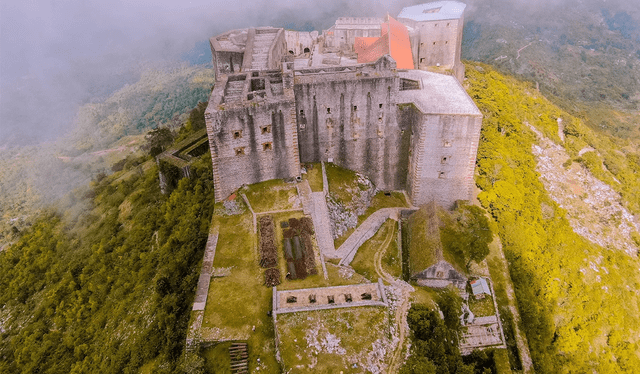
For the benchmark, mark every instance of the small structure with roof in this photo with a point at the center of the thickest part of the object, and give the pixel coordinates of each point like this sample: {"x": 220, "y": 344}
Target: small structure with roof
{"x": 480, "y": 288}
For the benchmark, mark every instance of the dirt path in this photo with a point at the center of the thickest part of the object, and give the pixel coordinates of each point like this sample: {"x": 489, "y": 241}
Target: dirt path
{"x": 403, "y": 307}
{"x": 521, "y": 338}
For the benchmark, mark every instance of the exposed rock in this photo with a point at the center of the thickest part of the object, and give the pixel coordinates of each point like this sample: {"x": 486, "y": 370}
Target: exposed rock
{"x": 594, "y": 209}
{"x": 231, "y": 208}
{"x": 344, "y": 216}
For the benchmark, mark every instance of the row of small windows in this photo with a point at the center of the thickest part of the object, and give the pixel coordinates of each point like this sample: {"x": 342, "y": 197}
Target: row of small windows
{"x": 355, "y": 109}
{"x": 264, "y": 130}
{"x": 330, "y": 298}
{"x": 265, "y": 147}
{"x": 434, "y": 43}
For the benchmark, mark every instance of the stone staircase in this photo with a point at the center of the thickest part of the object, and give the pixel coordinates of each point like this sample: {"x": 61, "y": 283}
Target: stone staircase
{"x": 260, "y": 53}
{"x": 234, "y": 91}
{"x": 239, "y": 354}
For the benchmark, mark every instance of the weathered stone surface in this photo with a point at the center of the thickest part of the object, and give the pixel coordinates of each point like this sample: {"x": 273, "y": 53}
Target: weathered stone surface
{"x": 282, "y": 98}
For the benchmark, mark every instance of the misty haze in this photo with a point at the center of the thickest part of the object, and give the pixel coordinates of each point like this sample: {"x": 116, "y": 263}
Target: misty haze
{"x": 341, "y": 186}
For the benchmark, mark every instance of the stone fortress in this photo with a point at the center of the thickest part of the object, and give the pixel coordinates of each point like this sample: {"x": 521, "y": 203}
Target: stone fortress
{"x": 378, "y": 96}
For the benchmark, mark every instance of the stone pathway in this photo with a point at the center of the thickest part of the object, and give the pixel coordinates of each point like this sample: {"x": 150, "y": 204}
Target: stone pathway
{"x": 314, "y": 204}
{"x": 366, "y": 230}
{"x": 322, "y": 224}
{"x": 205, "y": 274}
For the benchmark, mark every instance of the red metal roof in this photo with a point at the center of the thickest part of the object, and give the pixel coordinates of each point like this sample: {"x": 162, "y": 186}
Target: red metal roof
{"x": 394, "y": 42}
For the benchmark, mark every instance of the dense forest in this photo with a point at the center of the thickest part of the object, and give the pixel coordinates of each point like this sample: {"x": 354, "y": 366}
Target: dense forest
{"x": 109, "y": 290}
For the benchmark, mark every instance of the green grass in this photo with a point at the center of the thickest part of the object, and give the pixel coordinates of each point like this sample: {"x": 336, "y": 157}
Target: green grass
{"x": 421, "y": 246}
{"x": 423, "y": 295}
{"x": 499, "y": 278}
{"x": 363, "y": 262}
{"x": 240, "y": 301}
{"x": 501, "y": 360}
{"x": 392, "y": 259}
{"x": 341, "y": 180}
{"x": 314, "y": 176}
{"x": 357, "y": 328}
{"x": 482, "y": 307}
{"x": 216, "y": 358}
{"x": 271, "y": 195}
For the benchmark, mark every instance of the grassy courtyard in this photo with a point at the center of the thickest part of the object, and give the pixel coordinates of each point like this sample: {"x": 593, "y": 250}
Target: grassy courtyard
{"x": 239, "y": 302}
{"x": 272, "y": 195}
{"x": 349, "y": 340}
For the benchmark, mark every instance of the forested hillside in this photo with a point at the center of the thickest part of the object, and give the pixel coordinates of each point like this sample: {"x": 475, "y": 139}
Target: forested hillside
{"x": 111, "y": 291}
{"x": 34, "y": 177}
{"x": 585, "y": 56}
{"x": 579, "y": 302}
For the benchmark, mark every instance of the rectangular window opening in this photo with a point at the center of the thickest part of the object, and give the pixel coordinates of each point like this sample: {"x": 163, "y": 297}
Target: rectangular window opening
{"x": 328, "y": 110}
{"x": 380, "y": 106}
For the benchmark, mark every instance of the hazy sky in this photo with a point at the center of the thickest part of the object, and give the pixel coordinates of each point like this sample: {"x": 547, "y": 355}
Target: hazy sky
{"x": 58, "y": 54}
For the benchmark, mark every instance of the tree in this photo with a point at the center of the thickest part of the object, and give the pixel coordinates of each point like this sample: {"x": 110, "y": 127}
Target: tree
{"x": 157, "y": 139}
{"x": 468, "y": 235}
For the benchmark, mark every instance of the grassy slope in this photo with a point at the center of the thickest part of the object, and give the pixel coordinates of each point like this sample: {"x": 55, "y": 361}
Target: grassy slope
{"x": 574, "y": 317}
{"x": 239, "y": 302}
{"x": 363, "y": 261}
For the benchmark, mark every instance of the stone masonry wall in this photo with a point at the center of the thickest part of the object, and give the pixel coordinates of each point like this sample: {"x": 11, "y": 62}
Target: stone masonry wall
{"x": 350, "y": 119}
{"x": 443, "y": 158}
{"x": 439, "y": 43}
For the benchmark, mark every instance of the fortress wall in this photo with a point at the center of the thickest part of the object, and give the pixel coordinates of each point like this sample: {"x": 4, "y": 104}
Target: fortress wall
{"x": 412, "y": 119}
{"x": 277, "y": 51}
{"x": 445, "y": 158}
{"x": 447, "y": 35}
{"x": 297, "y": 41}
{"x": 225, "y": 62}
{"x": 247, "y": 159}
{"x": 343, "y": 34}
{"x": 360, "y": 133}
